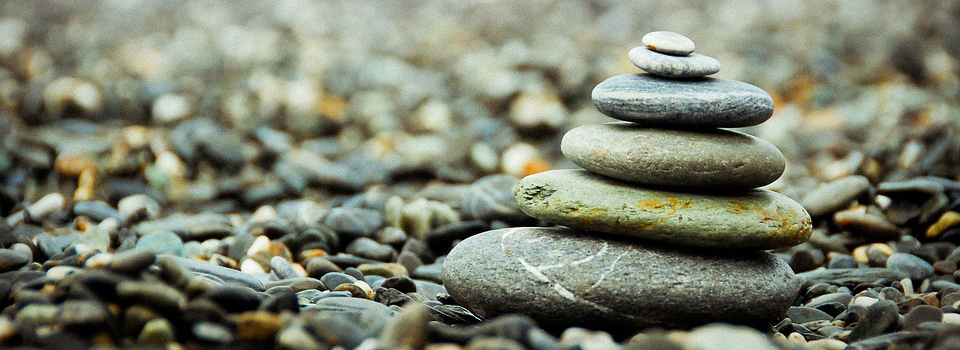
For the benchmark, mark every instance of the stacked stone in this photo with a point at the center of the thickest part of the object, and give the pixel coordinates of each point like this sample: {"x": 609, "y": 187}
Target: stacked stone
{"x": 665, "y": 227}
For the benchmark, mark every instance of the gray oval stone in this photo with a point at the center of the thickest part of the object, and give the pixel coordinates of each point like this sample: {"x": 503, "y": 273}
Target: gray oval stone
{"x": 707, "y": 102}
{"x": 560, "y": 276}
{"x": 669, "y": 43}
{"x": 709, "y": 158}
{"x": 693, "y": 65}
{"x": 753, "y": 219}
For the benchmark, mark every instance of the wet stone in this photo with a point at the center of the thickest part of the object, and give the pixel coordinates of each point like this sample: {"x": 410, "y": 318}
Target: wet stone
{"x": 354, "y": 222}
{"x": 491, "y": 198}
{"x": 132, "y": 261}
{"x": 880, "y": 318}
{"x": 706, "y": 102}
{"x": 807, "y": 314}
{"x": 98, "y": 211}
{"x": 334, "y": 279}
{"x": 478, "y": 269}
{"x": 368, "y": 248}
{"x": 850, "y": 277}
{"x": 162, "y": 242}
{"x": 719, "y": 159}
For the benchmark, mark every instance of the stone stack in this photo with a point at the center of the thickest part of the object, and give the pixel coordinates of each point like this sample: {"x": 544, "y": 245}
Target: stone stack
{"x": 665, "y": 227}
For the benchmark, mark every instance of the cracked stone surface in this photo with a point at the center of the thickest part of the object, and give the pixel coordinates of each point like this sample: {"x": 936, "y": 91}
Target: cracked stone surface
{"x": 750, "y": 219}
{"x": 561, "y": 276}
{"x": 708, "y": 158}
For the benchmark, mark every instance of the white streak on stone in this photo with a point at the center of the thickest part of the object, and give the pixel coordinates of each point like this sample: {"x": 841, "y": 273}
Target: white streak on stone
{"x": 603, "y": 250}
{"x": 609, "y": 269}
{"x": 534, "y": 270}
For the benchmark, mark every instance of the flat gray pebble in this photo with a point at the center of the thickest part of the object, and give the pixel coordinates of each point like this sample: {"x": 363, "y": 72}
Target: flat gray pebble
{"x": 706, "y": 102}
{"x": 711, "y": 158}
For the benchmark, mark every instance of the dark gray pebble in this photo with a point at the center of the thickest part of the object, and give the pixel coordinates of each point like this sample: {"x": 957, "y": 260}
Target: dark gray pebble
{"x": 428, "y": 272}
{"x": 401, "y": 283}
{"x": 914, "y": 267}
{"x": 368, "y": 248}
{"x": 212, "y": 332}
{"x": 372, "y": 315}
{"x": 12, "y": 260}
{"x": 706, "y": 102}
{"x": 317, "y": 267}
{"x": 390, "y": 296}
{"x": 921, "y": 314}
{"x": 880, "y": 318}
{"x": 354, "y": 222}
{"x": 282, "y": 268}
{"x": 334, "y": 279}
{"x": 297, "y": 283}
{"x": 801, "y": 314}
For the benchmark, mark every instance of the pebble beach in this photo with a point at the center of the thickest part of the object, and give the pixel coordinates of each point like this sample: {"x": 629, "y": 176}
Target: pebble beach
{"x": 480, "y": 175}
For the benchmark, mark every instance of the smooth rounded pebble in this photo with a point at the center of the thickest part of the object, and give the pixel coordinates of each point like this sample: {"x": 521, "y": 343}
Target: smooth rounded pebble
{"x": 834, "y": 195}
{"x": 707, "y": 102}
{"x": 717, "y": 158}
{"x": 754, "y": 219}
{"x": 669, "y": 43}
{"x": 693, "y": 65}
{"x": 565, "y": 277}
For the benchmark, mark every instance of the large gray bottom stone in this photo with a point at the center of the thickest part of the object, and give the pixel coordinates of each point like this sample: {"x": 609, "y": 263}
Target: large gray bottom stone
{"x": 709, "y": 158}
{"x": 564, "y": 277}
{"x": 703, "y": 102}
{"x": 750, "y": 219}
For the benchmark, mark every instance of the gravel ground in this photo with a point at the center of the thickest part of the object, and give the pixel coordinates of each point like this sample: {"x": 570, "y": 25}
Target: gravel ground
{"x": 292, "y": 174}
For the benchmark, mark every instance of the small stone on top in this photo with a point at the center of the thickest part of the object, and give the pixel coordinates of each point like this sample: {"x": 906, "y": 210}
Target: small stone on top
{"x": 669, "y": 43}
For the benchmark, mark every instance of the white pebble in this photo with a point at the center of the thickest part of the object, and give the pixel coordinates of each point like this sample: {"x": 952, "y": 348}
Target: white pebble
{"x": 170, "y": 108}
{"x": 951, "y": 318}
{"x": 251, "y": 267}
{"x": 669, "y": 43}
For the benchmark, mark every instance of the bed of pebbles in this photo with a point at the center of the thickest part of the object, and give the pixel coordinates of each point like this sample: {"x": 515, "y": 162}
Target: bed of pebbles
{"x": 292, "y": 175}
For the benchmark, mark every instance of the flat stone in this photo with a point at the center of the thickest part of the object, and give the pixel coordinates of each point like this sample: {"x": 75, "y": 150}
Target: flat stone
{"x": 560, "y": 276}
{"x": 710, "y": 158}
{"x": 880, "y": 318}
{"x": 834, "y": 195}
{"x": 850, "y": 277}
{"x": 693, "y": 65}
{"x": 669, "y": 43}
{"x": 915, "y": 267}
{"x": 707, "y": 102}
{"x": 224, "y": 273}
{"x": 799, "y": 314}
{"x": 755, "y": 219}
